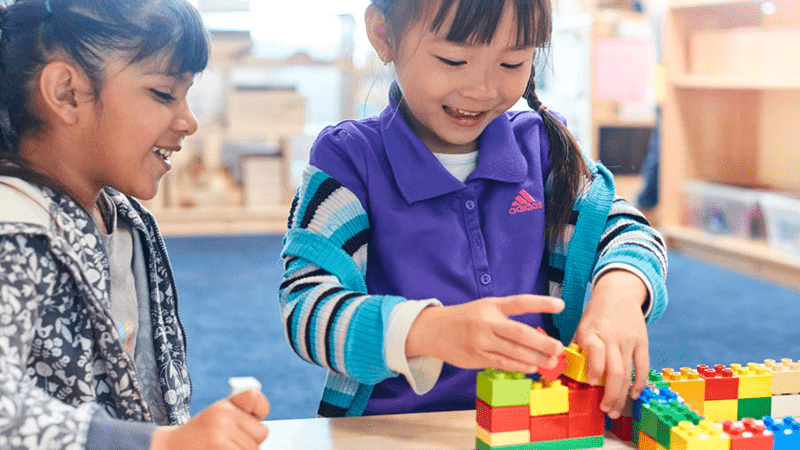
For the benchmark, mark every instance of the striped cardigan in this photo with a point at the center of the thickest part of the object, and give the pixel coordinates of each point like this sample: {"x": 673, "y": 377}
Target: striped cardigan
{"x": 332, "y": 321}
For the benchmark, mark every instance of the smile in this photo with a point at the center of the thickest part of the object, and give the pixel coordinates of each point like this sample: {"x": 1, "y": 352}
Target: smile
{"x": 461, "y": 114}
{"x": 165, "y": 154}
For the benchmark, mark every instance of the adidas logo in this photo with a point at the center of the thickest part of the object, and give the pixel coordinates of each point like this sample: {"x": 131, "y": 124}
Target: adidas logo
{"x": 524, "y": 202}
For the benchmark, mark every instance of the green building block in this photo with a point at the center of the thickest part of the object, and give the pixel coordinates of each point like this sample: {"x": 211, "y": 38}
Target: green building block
{"x": 658, "y": 419}
{"x": 503, "y": 388}
{"x": 655, "y": 379}
{"x": 558, "y": 444}
{"x": 635, "y": 433}
{"x": 754, "y": 407}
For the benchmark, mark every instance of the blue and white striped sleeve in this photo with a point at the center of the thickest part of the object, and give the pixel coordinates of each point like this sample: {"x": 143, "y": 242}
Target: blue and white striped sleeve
{"x": 329, "y": 318}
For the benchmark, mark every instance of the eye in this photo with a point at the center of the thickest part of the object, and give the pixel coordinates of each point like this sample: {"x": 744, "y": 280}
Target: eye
{"x": 165, "y": 97}
{"x": 512, "y": 66}
{"x": 450, "y": 62}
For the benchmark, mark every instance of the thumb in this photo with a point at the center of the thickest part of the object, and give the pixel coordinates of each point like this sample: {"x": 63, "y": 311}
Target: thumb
{"x": 523, "y": 304}
{"x": 251, "y": 401}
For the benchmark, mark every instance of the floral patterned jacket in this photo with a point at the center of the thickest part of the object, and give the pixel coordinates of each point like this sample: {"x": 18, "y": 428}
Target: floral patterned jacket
{"x": 61, "y": 360}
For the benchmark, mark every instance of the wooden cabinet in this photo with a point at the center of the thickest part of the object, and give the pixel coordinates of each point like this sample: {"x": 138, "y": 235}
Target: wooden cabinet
{"x": 731, "y": 115}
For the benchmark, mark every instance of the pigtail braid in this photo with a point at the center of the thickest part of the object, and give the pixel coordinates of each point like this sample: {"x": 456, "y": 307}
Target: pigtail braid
{"x": 568, "y": 170}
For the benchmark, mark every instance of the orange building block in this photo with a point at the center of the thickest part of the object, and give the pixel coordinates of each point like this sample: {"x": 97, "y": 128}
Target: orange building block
{"x": 687, "y": 383}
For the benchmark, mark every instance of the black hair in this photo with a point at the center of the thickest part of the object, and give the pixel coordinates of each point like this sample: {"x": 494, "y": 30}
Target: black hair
{"x": 474, "y": 23}
{"x": 34, "y": 32}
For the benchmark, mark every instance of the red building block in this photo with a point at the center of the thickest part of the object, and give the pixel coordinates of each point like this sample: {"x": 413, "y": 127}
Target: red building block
{"x": 583, "y": 397}
{"x": 748, "y": 434}
{"x": 585, "y": 424}
{"x": 721, "y": 383}
{"x": 549, "y": 428}
{"x": 555, "y": 372}
{"x": 497, "y": 419}
{"x": 622, "y": 427}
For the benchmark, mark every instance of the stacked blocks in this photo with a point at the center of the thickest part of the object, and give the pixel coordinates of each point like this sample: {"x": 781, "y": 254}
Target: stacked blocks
{"x": 748, "y": 434}
{"x": 560, "y": 413}
{"x": 785, "y": 387}
{"x": 722, "y": 393}
{"x": 755, "y": 390}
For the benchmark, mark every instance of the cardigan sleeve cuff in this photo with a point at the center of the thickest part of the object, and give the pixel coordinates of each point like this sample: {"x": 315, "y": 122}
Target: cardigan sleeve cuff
{"x": 421, "y": 372}
{"x": 647, "y": 306}
{"x": 105, "y": 433}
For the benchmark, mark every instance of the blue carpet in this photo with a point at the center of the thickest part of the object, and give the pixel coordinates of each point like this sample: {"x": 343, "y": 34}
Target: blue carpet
{"x": 228, "y": 302}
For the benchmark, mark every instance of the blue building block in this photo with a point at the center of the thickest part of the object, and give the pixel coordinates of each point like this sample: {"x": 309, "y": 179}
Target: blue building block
{"x": 786, "y": 432}
{"x": 663, "y": 395}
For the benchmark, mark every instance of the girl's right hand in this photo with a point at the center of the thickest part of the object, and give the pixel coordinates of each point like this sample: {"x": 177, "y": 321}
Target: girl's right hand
{"x": 233, "y": 423}
{"x": 479, "y": 334}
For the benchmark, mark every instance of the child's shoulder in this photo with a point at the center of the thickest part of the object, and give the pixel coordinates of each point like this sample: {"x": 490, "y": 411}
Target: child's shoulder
{"x": 348, "y": 132}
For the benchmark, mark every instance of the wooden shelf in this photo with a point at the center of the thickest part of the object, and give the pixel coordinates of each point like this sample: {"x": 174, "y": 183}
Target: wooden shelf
{"x": 737, "y": 82}
{"x": 751, "y": 257}
{"x": 687, "y": 4}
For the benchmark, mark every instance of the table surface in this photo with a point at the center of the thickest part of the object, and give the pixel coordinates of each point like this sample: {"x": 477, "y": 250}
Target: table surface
{"x": 443, "y": 430}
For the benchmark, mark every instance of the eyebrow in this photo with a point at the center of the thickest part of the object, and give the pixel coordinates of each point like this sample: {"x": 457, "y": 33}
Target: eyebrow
{"x": 513, "y": 48}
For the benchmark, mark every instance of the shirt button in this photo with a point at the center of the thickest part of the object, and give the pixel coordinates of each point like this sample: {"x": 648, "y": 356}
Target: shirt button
{"x": 486, "y": 278}
{"x": 470, "y": 205}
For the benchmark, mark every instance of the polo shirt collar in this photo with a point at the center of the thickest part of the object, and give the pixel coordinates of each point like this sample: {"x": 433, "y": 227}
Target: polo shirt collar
{"x": 420, "y": 176}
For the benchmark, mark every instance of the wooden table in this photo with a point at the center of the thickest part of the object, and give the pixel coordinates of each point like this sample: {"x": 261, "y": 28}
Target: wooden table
{"x": 454, "y": 430}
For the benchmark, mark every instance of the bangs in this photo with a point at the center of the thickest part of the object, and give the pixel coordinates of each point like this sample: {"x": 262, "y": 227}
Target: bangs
{"x": 475, "y": 21}
{"x": 176, "y": 27}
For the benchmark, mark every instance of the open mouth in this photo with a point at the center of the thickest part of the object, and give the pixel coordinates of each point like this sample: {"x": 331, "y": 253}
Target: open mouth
{"x": 463, "y": 115}
{"x": 164, "y": 154}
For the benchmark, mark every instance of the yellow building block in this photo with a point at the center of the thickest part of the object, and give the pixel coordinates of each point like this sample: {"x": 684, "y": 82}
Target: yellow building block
{"x": 755, "y": 380}
{"x": 704, "y": 436}
{"x": 576, "y": 364}
{"x": 785, "y": 376}
{"x": 548, "y": 398}
{"x": 502, "y": 438}
{"x": 687, "y": 383}
{"x": 698, "y": 407}
{"x": 719, "y": 410}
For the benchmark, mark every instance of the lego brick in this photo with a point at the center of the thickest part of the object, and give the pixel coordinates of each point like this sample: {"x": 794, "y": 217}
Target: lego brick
{"x": 622, "y": 427}
{"x": 555, "y": 372}
{"x": 576, "y": 364}
{"x": 655, "y": 380}
{"x": 687, "y": 383}
{"x": 785, "y": 376}
{"x": 501, "y": 418}
{"x": 548, "y": 397}
{"x": 785, "y": 405}
{"x": 646, "y": 442}
{"x": 658, "y": 418}
{"x": 698, "y": 407}
{"x": 548, "y": 428}
{"x": 704, "y": 436}
{"x": 662, "y": 395}
{"x": 748, "y": 434}
{"x": 582, "y": 396}
{"x": 502, "y": 438}
{"x": 592, "y": 423}
{"x": 755, "y": 381}
{"x": 719, "y": 410}
{"x": 754, "y": 407}
{"x": 721, "y": 383}
{"x": 503, "y": 388}
{"x": 561, "y": 444}
{"x": 786, "y": 432}
{"x": 635, "y": 433}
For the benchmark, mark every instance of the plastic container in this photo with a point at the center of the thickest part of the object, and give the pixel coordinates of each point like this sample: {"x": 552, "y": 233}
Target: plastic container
{"x": 782, "y": 219}
{"x": 723, "y": 209}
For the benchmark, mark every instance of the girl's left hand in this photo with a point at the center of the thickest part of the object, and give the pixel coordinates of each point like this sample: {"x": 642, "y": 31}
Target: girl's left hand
{"x": 613, "y": 333}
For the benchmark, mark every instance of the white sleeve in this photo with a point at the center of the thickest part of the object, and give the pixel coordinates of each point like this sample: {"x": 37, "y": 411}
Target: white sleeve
{"x": 421, "y": 372}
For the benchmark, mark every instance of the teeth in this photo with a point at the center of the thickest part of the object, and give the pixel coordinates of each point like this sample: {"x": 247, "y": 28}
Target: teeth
{"x": 466, "y": 113}
{"x": 163, "y": 153}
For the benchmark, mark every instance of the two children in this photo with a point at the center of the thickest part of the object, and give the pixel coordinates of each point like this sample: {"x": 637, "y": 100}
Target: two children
{"x": 92, "y": 350}
{"x": 418, "y": 233}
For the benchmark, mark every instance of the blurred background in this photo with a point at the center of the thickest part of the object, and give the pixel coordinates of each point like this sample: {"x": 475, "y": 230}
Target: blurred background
{"x": 691, "y": 103}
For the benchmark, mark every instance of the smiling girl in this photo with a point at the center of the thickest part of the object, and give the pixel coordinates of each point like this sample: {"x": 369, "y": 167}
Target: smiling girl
{"x": 416, "y": 234}
{"x": 92, "y": 350}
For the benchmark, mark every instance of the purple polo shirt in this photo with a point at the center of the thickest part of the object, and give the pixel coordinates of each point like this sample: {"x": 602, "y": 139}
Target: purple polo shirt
{"x": 432, "y": 236}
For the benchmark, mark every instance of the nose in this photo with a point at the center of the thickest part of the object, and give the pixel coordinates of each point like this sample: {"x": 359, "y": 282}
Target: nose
{"x": 185, "y": 121}
{"x": 480, "y": 85}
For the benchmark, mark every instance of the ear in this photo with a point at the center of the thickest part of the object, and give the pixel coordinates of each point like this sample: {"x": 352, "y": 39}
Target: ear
{"x": 378, "y": 34}
{"x": 64, "y": 90}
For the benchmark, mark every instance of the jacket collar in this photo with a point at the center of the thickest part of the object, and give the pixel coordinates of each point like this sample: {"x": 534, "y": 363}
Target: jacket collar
{"x": 420, "y": 176}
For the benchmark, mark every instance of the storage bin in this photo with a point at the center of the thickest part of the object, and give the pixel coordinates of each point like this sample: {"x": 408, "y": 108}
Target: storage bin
{"x": 723, "y": 209}
{"x": 782, "y": 219}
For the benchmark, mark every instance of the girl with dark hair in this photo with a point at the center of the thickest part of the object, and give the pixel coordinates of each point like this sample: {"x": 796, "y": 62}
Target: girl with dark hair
{"x": 416, "y": 234}
{"x": 92, "y": 350}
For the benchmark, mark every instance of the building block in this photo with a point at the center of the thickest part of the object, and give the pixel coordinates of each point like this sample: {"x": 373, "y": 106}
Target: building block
{"x": 622, "y": 427}
{"x": 786, "y": 432}
{"x": 663, "y": 395}
{"x": 502, "y": 438}
{"x": 582, "y": 396}
{"x": 646, "y": 442}
{"x": 755, "y": 381}
{"x": 586, "y": 424}
{"x": 719, "y": 410}
{"x": 687, "y": 383}
{"x": 754, "y": 407}
{"x": 721, "y": 383}
{"x": 655, "y": 380}
{"x": 785, "y": 405}
{"x": 706, "y": 435}
{"x": 555, "y": 372}
{"x": 561, "y": 444}
{"x": 548, "y": 428}
{"x": 635, "y": 433}
{"x": 503, "y": 388}
{"x": 576, "y": 364}
{"x": 501, "y": 418}
{"x": 658, "y": 419}
{"x": 548, "y": 397}
{"x": 748, "y": 434}
{"x": 785, "y": 376}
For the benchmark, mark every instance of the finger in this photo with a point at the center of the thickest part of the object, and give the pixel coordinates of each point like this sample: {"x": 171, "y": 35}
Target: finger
{"x": 617, "y": 382}
{"x": 251, "y": 401}
{"x": 522, "y": 304}
{"x": 253, "y": 430}
{"x": 542, "y": 347}
{"x": 511, "y": 350}
{"x": 595, "y": 358}
{"x": 641, "y": 360}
